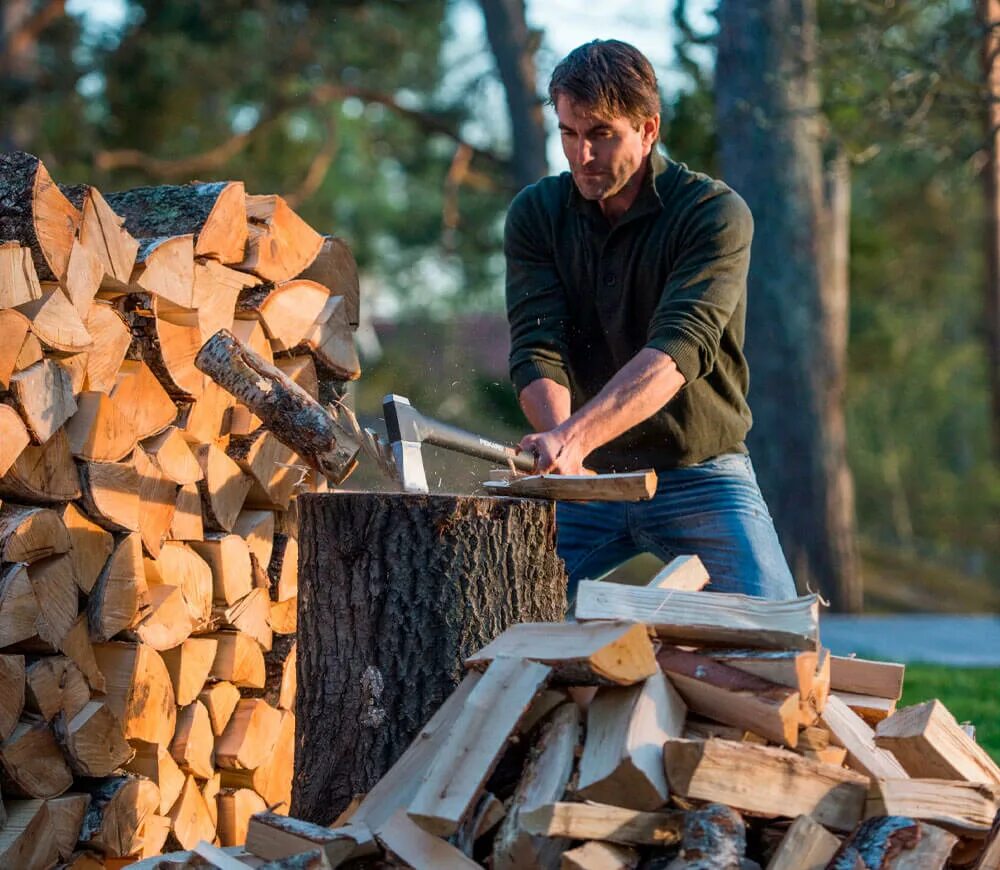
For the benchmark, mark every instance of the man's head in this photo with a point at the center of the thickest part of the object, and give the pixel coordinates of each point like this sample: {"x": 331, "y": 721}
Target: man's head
{"x": 606, "y": 97}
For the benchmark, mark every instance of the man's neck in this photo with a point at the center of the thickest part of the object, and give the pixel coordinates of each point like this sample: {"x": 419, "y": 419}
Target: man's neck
{"x": 615, "y": 207}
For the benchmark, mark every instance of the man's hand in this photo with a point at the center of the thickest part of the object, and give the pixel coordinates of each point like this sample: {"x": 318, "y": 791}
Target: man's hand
{"x": 556, "y": 451}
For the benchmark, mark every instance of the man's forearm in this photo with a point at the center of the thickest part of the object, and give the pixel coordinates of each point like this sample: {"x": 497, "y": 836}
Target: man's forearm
{"x": 545, "y": 403}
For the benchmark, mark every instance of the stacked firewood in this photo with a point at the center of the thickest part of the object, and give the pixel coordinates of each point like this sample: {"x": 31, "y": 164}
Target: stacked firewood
{"x": 667, "y": 728}
{"x": 147, "y": 524}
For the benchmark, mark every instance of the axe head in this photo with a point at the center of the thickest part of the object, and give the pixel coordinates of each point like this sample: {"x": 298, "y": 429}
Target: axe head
{"x": 402, "y": 424}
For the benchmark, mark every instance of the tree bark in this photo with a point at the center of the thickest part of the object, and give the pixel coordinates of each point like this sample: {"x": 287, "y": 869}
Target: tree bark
{"x": 394, "y": 592}
{"x": 513, "y": 45}
{"x": 768, "y": 104}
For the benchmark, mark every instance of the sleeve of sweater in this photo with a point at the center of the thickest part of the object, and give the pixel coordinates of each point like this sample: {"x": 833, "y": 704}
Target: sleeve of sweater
{"x": 706, "y": 284}
{"x": 536, "y": 300}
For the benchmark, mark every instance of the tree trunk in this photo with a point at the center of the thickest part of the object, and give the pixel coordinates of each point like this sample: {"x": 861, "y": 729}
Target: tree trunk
{"x": 513, "y": 45}
{"x": 989, "y": 12}
{"x": 768, "y": 104}
{"x": 394, "y": 592}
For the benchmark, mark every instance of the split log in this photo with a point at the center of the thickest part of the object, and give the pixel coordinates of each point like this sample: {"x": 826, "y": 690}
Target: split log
{"x": 714, "y": 836}
{"x": 445, "y": 600}
{"x": 300, "y": 369}
{"x": 276, "y": 471}
{"x": 873, "y": 710}
{"x": 103, "y": 235}
{"x": 14, "y": 328}
{"x": 93, "y": 740}
{"x": 235, "y": 809}
{"x": 110, "y": 494}
{"x": 605, "y": 653}
{"x": 54, "y": 685}
{"x": 228, "y": 558}
{"x": 336, "y": 269}
{"x": 164, "y": 266}
{"x": 280, "y": 245}
{"x": 929, "y": 743}
{"x": 166, "y": 337}
{"x": 114, "y": 820}
{"x": 796, "y": 669}
{"x": 210, "y": 792}
{"x": 622, "y": 761}
{"x": 331, "y": 342}
{"x": 205, "y": 420}
{"x": 120, "y": 591}
{"x": 189, "y": 664}
{"x": 139, "y": 691}
{"x": 630, "y": 486}
{"x": 853, "y": 733}
{"x": 14, "y": 437}
{"x": 469, "y": 754}
{"x": 66, "y": 815}
{"x": 173, "y": 456}
{"x": 76, "y": 647}
{"x": 154, "y": 762}
{"x": 43, "y": 395}
{"x": 137, "y": 389}
{"x": 287, "y": 310}
{"x": 807, "y": 845}
{"x": 595, "y": 855}
{"x": 295, "y": 418}
{"x": 35, "y": 213}
{"x": 284, "y": 616}
{"x": 111, "y": 339}
{"x": 239, "y": 660}
{"x": 544, "y": 781}
{"x": 157, "y": 502}
{"x": 75, "y": 365}
{"x": 153, "y": 832}
{"x": 56, "y": 323}
{"x": 11, "y": 692}
{"x": 56, "y": 593}
{"x": 765, "y": 780}
{"x": 18, "y": 606}
{"x": 882, "y": 679}
{"x": 194, "y": 744}
{"x": 31, "y": 763}
{"x": 28, "y": 839}
{"x": 249, "y": 737}
{"x": 30, "y": 353}
{"x": 895, "y": 843}
{"x": 683, "y": 572}
{"x": 186, "y": 524}
{"x": 272, "y": 780}
{"x": 602, "y": 822}
{"x": 256, "y": 527}
{"x": 18, "y": 277}
{"x": 732, "y": 696}
{"x": 283, "y": 569}
{"x": 223, "y": 488}
{"x": 414, "y": 847}
{"x": 251, "y": 615}
{"x": 216, "y": 290}
{"x": 100, "y": 431}
{"x": 28, "y": 534}
{"x": 709, "y": 618}
{"x": 220, "y": 699}
{"x": 167, "y": 621}
{"x": 215, "y": 213}
{"x": 43, "y": 474}
{"x": 179, "y": 565}
{"x": 271, "y": 836}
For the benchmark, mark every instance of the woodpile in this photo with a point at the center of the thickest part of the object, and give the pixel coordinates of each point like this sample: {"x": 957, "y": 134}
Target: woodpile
{"x": 148, "y": 553}
{"x": 716, "y": 733}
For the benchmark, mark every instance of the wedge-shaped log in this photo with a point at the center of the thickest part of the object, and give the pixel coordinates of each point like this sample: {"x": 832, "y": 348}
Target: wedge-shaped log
{"x": 732, "y": 696}
{"x": 682, "y": 572}
{"x": 111, "y": 342}
{"x": 100, "y": 431}
{"x": 120, "y": 591}
{"x": 595, "y": 855}
{"x": 280, "y": 244}
{"x": 223, "y": 488}
{"x": 214, "y": 212}
{"x": 272, "y": 836}
{"x": 228, "y": 557}
{"x": 895, "y": 843}
{"x": 765, "y": 780}
{"x": 863, "y": 677}
{"x": 167, "y": 621}
{"x": 336, "y": 269}
{"x": 250, "y": 735}
{"x": 157, "y": 502}
{"x": 32, "y": 764}
{"x": 276, "y": 471}
{"x": 287, "y": 310}
{"x": 236, "y": 806}
{"x": 220, "y": 699}
{"x": 166, "y": 337}
{"x": 110, "y": 494}
{"x": 93, "y": 740}
{"x": 216, "y": 289}
{"x": 28, "y": 838}
{"x": 629, "y": 486}
{"x": 193, "y": 745}
{"x": 11, "y": 692}
{"x": 66, "y": 814}
{"x": 543, "y": 782}
{"x": 28, "y": 534}
{"x": 154, "y": 762}
{"x": 137, "y": 390}
{"x": 302, "y": 370}
{"x": 410, "y": 844}
{"x": 43, "y": 394}
{"x": 34, "y": 212}
{"x": 42, "y": 474}
{"x": 601, "y": 653}
{"x": 179, "y": 565}
{"x": 238, "y": 660}
{"x": 251, "y": 615}
{"x": 118, "y": 806}
{"x": 14, "y": 437}
{"x": 173, "y": 456}
{"x": 57, "y": 597}
{"x": 103, "y": 236}
{"x": 796, "y": 669}
{"x": 853, "y": 733}
{"x": 14, "y": 328}
{"x": 190, "y": 820}
{"x": 18, "y": 605}
{"x": 164, "y": 266}
{"x": 256, "y": 527}
{"x": 713, "y": 618}
{"x": 929, "y": 743}
{"x": 76, "y": 646}
{"x": 139, "y": 691}
{"x": 622, "y": 762}
{"x": 56, "y": 323}
{"x": 55, "y": 686}
{"x": 189, "y": 664}
{"x": 187, "y": 523}
{"x": 331, "y": 342}
{"x": 870, "y": 708}
{"x": 807, "y": 845}
{"x": 967, "y": 808}
{"x": 283, "y": 569}
{"x": 474, "y": 745}
{"x": 602, "y": 822}
{"x": 297, "y": 419}
{"x": 18, "y": 276}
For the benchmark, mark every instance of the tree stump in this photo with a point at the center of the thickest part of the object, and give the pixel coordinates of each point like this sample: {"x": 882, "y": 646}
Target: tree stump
{"x": 395, "y": 590}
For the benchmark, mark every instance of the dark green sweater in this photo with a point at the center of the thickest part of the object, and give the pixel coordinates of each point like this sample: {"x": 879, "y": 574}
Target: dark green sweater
{"x": 584, "y": 297}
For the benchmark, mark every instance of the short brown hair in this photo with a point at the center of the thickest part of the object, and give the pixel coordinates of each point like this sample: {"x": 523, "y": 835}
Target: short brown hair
{"x": 610, "y": 78}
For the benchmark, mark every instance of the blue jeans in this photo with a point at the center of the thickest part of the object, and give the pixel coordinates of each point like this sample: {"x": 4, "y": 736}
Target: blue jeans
{"x": 713, "y": 509}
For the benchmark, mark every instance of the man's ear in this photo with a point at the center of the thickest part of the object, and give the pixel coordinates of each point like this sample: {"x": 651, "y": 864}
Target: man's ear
{"x": 650, "y": 131}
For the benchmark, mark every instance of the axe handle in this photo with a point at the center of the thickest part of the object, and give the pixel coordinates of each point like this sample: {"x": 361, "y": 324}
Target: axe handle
{"x": 451, "y": 437}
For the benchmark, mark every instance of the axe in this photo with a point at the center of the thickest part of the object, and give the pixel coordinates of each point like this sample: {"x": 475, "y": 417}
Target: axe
{"x": 408, "y": 430}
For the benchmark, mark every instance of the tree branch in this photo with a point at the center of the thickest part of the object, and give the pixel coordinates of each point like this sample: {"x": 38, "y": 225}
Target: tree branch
{"x": 318, "y": 166}
{"x": 17, "y": 42}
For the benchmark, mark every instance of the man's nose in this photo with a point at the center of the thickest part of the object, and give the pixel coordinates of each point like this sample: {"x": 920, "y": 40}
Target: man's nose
{"x": 584, "y": 152}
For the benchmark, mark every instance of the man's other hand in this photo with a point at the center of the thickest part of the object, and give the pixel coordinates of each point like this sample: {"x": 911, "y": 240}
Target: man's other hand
{"x": 556, "y": 452}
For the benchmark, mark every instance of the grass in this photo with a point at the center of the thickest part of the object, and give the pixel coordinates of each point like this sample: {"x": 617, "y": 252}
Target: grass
{"x": 972, "y": 695}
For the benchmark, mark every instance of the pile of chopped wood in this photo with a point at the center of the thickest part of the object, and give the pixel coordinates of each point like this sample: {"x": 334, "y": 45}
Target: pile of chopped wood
{"x": 667, "y": 728}
{"x": 147, "y": 529}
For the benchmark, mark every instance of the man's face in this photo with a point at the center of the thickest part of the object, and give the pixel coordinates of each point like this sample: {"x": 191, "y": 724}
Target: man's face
{"x": 604, "y": 154}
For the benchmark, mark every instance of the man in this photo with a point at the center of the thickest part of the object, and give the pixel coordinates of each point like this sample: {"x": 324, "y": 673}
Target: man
{"x": 626, "y": 296}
